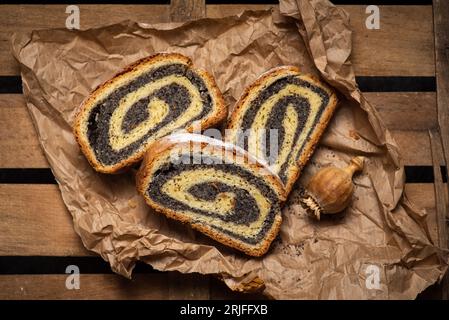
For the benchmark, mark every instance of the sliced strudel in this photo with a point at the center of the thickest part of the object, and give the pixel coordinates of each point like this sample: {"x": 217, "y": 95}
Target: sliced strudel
{"x": 217, "y": 188}
{"x": 280, "y": 119}
{"x": 148, "y": 100}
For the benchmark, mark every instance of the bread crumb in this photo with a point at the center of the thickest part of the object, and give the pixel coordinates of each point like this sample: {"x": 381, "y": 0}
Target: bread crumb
{"x": 132, "y": 203}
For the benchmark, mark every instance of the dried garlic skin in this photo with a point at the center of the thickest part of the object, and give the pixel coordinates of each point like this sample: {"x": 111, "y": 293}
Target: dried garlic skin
{"x": 330, "y": 189}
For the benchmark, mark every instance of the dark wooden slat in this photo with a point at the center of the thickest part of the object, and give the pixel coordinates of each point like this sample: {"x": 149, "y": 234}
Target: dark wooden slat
{"x": 422, "y": 174}
{"x": 57, "y": 265}
{"x": 13, "y": 84}
{"x": 28, "y": 176}
{"x": 414, "y": 174}
{"x": 10, "y": 84}
{"x": 396, "y": 84}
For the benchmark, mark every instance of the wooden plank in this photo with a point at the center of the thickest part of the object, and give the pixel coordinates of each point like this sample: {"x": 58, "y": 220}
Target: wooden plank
{"x": 404, "y": 32}
{"x": 402, "y": 46}
{"x": 219, "y": 291}
{"x": 414, "y": 147}
{"x": 108, "y": 287}
{"x": 183, "y": 10}
{"x": 92, "y": 286}
{"x": 440, "y": 190}
{"x": 22, "y": 150}
{"x": 188, "y": 286}
{"x": 27, "y": 213}
{"x": 405, "y": 110}
{"x": 423, "y": 196}
{"x": 441, "y": 26}
{"x": 19, "y": 18}
{"x": 115, "y": 287}
{"x": 31, "y": 210}
{"x": 19, "y": 144}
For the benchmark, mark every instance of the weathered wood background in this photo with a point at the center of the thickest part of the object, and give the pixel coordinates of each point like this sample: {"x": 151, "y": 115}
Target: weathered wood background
{"x": 37, "y": 239}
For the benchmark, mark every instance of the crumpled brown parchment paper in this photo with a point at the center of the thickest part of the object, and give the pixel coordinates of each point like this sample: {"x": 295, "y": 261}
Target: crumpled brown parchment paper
{"x": 380, "y": 249}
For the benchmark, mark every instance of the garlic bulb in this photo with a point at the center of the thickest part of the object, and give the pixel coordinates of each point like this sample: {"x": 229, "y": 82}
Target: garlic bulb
{"x": 330, "y": 189}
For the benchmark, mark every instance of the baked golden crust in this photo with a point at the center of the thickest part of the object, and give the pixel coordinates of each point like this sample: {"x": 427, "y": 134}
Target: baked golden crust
{"x": 315, "y": 136}
{"x": 165, "y": 145}
{"x": 217, "y": 115}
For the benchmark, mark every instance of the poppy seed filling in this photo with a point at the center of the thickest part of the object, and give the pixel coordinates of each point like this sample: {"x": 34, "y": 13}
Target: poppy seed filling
{"x": 278, "y": 112}
{"x": 177, "y": 97}
{"x": 245, "y": 209}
